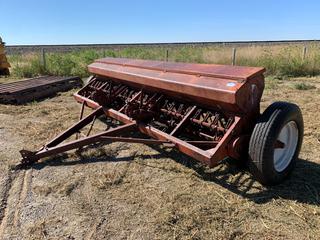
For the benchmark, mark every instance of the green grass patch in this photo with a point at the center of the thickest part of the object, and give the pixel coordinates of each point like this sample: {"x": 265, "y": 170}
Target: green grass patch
{"x": 280, "y": 60}
{"x": 272, "y": 82}
{"x": 304, "y": 86}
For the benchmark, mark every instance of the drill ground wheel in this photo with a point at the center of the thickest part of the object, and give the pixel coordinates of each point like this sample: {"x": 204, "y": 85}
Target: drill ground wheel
{"x": 275, "y": 143}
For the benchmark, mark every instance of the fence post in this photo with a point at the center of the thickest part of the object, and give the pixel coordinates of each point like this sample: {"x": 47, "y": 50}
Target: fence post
{"x": 234, "y": 51}
{"x": 167, "y": 55}
{"x": 43, "y": 58}
{"x": 304, "y": 52}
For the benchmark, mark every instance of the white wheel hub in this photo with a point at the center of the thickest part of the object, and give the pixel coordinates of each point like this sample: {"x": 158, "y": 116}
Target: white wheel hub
{"x": 289, "y": 136}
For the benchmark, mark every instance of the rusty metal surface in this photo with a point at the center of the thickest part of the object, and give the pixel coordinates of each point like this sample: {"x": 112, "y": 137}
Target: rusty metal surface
{"x": 226, "y": 87}
{"x": 36, "y": 88}
{"x": 209, "y": 70}
{"x": 188, "y": 106}
{"x": 4, "y": 64}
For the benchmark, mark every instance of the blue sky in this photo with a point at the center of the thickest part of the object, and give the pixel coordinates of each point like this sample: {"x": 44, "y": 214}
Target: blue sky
{"x": 97, "y": 21}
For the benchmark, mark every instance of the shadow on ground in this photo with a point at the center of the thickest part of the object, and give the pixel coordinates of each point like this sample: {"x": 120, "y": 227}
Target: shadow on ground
{"x": 302, "y": 186}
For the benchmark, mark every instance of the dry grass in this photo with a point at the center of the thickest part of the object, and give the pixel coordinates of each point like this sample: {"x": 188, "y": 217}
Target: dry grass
{"x": 132, "y": 191}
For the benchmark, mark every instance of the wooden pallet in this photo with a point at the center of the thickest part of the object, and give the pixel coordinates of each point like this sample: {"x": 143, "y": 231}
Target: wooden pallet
{"x": 36, "y": 88}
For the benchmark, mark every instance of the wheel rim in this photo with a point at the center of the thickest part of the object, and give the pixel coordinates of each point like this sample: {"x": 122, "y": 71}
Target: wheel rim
{"x": 289, "y": 136}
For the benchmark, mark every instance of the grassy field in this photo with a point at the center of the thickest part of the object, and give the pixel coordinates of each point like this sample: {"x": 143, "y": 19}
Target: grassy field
{"x": 133, "y": 191}
{"x": 279, "y": 60}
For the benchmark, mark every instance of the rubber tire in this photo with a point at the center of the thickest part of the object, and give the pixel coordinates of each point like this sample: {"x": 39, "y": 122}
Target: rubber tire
{"x": 4, "y": 72}
{"x": 263, "y": 138}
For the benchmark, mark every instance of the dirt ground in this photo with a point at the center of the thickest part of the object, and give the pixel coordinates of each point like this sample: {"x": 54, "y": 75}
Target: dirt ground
{"x": 133, "y": 191}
